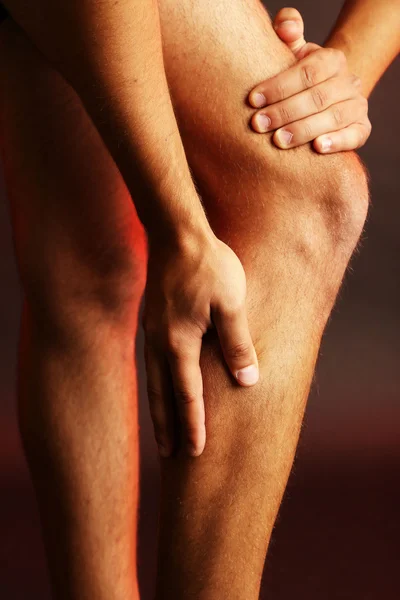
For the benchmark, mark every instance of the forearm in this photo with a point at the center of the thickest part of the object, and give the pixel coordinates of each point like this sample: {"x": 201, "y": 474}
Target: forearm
{"x": 111, "y": 53}
{"x": 368, "y": 33}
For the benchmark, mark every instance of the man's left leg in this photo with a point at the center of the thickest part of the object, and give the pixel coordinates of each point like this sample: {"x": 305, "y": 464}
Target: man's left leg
{"x": 81, "y": 258}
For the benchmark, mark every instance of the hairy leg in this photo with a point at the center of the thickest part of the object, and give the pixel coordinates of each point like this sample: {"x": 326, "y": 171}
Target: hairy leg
{"x": 290, "y": 219}
{"x": 294, "y": 219}
{"x": 81, "y": 256}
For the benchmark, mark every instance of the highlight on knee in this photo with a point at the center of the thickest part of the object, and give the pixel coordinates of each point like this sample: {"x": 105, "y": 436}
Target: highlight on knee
{"x": 329, "y": 194}
{"x": 345, "y": 198}
{"x": 61, "y": 288}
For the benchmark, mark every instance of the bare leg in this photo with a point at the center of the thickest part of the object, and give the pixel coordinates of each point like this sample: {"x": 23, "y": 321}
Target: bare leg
{"x": 294, "y": 219}
{"x": 81, "y": 256}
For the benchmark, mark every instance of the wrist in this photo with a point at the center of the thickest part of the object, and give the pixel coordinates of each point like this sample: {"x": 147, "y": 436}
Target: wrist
{"x": 338, "y": 39}
{"x": 342, "y": 40}
{"x": 185, "y": 233}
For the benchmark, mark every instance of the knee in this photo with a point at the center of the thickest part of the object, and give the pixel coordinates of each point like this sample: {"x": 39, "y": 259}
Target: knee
{"x": 340, "y": 196}
{"x": 327, "y": 209}
{"x": 69, "y": 295}
{"x": 295, "y": 242}
{"x": 321, "y": 205}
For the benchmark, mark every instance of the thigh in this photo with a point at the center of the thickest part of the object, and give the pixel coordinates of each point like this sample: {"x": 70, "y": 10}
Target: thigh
{"x": 75, "y": 227}
{"x": 259, "y": 199}
{"x": 215, "y": 52}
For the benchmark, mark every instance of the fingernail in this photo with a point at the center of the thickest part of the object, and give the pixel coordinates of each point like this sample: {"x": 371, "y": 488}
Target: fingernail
{"x": 248, "y": 375}
{"x": 263, "y": 122}
{"x": 284, "y": 136}
{"x": 326, "y": 144}
{"x": 163, "y": 451}
{"x": 258, "y": 100}
{"x": 288, "y": 22}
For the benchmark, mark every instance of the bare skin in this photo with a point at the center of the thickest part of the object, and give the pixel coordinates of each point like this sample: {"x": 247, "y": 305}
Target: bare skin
{"x": 323, "y": 98}
{"x": 111, "y": 54}
{"x": 81, "y": 255}
{"x": 293, "y": 219}
{"x": 317, "y": 100}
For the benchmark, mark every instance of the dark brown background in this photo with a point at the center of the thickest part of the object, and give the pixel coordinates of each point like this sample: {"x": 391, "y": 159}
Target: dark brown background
{"x": 337, "y": 536}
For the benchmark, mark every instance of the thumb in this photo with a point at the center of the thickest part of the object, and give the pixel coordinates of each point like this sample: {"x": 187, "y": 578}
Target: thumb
{"x": 237, "y": 346}
{"x": 289, "y": 27}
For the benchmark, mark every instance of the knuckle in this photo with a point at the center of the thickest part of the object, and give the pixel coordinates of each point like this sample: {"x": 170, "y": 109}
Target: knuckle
{"x": 319, "y": 98}
{"x": 364, "y": 103}
{"x": 239, "y": 350}
{"x": 337, "y": 114}
{"x": 339, "y": 57}
{"x": 308, "y": 74}
{"x": 322, "y": 54}
{"x": 185, "y": 397}
{"x": 285, "y": 113}
{"x": 233, "y": 307}
{"x": 173, "y": 341}
{"x": 308, "y": 132}
{"x": 280, "y": 90}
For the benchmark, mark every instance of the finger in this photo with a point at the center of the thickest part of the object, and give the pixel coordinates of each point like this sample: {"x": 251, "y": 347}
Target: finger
{"x": 307, "y": 49}
{"x": 306, "y": 103}
{"x": 289, "y": 27}
{"x": 320, "y": 65}
{"x": 184, "y": 362}
{"x": 237, "y": 345}
{"x": 160, "y": 399}
{"x": 334, "y": 118}
{"x": 349, "y": 138}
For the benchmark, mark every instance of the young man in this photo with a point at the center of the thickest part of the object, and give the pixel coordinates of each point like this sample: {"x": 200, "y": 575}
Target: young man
{"x": 99, "y": 98}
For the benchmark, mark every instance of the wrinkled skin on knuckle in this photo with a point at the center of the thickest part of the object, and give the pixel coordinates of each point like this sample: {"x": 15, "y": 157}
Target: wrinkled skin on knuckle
{"x": 338, "y": 117}
{"x": 279, "y": 91}
{"x": 309, "y": 74}
{"x": 238, "y": 351}
{"x": 285, "y": 114}
{"x": 185, "y": 397}
{"x": 319, "y": 98}
{"x": 333, "y": 57}
{"x": 307, "y": 132}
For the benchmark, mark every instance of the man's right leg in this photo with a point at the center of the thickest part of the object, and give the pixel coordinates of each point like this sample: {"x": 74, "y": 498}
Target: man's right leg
{"x": 294, "y": 219}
